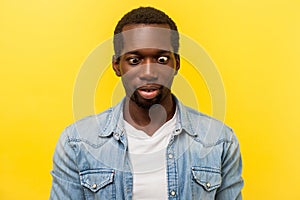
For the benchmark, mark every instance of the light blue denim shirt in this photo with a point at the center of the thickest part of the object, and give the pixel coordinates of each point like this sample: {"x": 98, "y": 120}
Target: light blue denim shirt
{"x": 91, "y": 159}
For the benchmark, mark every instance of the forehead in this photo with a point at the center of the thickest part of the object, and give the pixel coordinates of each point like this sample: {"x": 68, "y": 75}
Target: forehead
{"x": 142, "y": 36}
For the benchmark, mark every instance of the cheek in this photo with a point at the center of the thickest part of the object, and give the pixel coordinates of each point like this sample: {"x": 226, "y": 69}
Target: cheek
{"x": 129, "y": 76}
{"x": 167, "y": 72}
{"x": 128, "y": 71}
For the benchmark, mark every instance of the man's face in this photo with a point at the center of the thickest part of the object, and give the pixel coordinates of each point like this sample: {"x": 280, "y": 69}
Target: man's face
{"x": 147, "y": 64}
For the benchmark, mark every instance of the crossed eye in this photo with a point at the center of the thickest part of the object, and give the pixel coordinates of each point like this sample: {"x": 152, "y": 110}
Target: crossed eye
{"x": 134, "y": 61}
{"x": 163, "y": 59}
{"x": 137, "y": 60}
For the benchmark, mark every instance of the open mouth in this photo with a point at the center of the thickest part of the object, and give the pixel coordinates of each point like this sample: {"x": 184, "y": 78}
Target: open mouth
{"x": 148, "y": 92}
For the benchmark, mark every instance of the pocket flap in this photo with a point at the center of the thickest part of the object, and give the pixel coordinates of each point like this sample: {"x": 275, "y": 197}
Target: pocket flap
{"x": 96, "y": 179}
{"x": 209, "y": 178}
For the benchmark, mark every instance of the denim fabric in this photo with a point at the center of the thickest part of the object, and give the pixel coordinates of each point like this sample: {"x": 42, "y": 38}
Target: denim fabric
{"x": 91, "y": 159}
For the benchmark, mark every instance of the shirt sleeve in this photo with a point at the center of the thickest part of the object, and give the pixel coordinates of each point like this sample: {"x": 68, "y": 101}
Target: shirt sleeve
{"x": 232, "y": 182}
{"x": 65, "y": 174}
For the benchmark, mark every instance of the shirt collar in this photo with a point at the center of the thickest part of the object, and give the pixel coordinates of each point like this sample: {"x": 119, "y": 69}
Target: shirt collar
{"x": 115, "y": 123}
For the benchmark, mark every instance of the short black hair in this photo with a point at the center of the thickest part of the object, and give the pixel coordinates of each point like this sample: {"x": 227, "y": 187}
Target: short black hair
{"x": 145, "y": 15}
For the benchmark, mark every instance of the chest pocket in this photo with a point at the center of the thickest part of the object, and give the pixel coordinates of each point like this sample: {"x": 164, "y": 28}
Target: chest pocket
{"x": 205, "y": 182}
{"x": 98, "y": 183}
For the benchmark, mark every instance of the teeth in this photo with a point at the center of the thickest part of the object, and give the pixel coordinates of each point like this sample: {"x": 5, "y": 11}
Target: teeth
{"x": 148, "y": 90}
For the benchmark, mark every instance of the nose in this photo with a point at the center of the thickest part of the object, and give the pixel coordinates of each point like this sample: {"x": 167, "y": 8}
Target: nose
{"x": 148, "y": 71}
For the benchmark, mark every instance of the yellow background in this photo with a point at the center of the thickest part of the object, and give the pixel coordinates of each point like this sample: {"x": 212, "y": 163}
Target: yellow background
{"x": 255, "y": 45}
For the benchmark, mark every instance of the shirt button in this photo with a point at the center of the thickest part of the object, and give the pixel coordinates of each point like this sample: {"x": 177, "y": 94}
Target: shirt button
{"x": 94, "y": 186}
{"x": 170, "y": 156}
{"x": 116, "y": 135}
{"x": 173, "y": 193}
{"x": 208, "y": 185}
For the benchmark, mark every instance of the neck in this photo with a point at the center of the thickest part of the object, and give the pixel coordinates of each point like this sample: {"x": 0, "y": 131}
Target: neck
{"x": 149, "y": 120}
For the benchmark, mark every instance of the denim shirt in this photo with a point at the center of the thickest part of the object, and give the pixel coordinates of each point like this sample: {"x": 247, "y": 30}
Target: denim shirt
{"x": 91, "y": 159}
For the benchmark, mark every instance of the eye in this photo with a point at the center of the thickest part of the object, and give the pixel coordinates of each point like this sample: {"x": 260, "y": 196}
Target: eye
{"x": 134, "y": 61}
{"x": 163, "y": 59}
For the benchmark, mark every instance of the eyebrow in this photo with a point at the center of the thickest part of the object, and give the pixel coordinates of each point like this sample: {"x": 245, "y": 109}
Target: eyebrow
{"x": 138, "y": 53}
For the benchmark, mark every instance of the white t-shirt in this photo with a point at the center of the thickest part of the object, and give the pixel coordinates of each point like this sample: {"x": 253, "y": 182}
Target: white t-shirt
{"x": 148, "y": 158}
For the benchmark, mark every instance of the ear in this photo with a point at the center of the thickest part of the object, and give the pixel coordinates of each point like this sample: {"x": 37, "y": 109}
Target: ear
{"x": 177, "y": 60}
{"x": 116, "y": 65}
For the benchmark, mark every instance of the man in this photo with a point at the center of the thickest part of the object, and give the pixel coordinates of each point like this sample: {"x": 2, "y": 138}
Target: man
{"x": 149, "y": 146}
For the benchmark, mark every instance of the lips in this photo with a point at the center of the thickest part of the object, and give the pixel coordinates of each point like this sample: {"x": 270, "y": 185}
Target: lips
{"x": 148, "y": 91}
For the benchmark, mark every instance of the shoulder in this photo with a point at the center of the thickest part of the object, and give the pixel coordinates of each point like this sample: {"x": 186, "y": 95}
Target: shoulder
{"x": 91, "y": 127}
{"x": 206, "y": 129}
